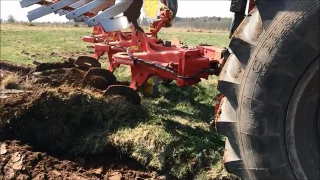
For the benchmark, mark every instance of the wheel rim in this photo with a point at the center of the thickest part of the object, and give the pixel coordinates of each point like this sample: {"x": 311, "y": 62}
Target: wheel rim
{"x": 302, "y": 125}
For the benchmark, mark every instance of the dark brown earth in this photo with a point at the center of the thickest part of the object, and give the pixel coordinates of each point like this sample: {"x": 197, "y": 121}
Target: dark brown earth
{"x": 21, "y": 157}
{"x": 21, "y": 161}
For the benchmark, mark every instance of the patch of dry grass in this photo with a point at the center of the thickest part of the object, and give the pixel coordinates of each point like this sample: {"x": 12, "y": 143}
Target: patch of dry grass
{"x": 11, "y": 82}
{"x": 214, "y": 172}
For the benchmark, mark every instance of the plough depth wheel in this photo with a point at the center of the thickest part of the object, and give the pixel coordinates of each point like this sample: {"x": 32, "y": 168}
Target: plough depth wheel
{"x": 100, "y": 78}
{"x": 124, "y": 91}
{"x": 86, "y": 62}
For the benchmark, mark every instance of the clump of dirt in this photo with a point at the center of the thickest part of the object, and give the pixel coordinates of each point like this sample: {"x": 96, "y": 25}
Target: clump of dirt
{"x": 64, "y": 118}
{"x": 97, "y": 82}
{"x": 74, "y": 122}
{"x": 9, "y": 66}
{"x": 52, "y": 128}
{"x": 12, "y": 104}
{"x": 20, "y": 161}
{"x": 58, "y": 65}
{"x": 10, "y": 82}
{"x": 58, "y": 77}
{"x": 72, "y": 77}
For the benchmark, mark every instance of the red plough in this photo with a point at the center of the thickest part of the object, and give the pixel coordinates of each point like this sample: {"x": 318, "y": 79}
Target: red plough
{"x": 149, "y": 57}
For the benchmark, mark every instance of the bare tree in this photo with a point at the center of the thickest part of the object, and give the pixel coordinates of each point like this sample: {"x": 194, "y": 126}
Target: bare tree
{"x": 11, "y": 19}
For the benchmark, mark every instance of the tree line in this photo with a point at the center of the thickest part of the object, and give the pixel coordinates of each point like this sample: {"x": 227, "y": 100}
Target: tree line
{"x": 204, "y": 23}
{"x": 207, "y": 23}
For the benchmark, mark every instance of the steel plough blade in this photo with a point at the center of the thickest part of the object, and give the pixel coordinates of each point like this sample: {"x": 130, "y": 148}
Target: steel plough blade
{"x": 93, "y": 6}
{"x": 87, "y": 62}
{"x": 76, "y": 5}
{"x": 104, "y": 73}
{"x": 27, "y": 3}
{"x": 124, "y": 91}
{"x": 92, "y": 12}
{"x": 45, "y": 10}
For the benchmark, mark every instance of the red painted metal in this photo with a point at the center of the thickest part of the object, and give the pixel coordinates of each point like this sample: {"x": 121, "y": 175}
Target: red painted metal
{"x": 187, "y": 66}
{"x": 217, "y": 104}
{"x": 251, "y": 5}
{"x": 99, "y": 35}
{"x": 182, "y": 61}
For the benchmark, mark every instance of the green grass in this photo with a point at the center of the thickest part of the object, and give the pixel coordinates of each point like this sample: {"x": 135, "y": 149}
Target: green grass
{"x": 23, "y": 44}
{"x": 217, "y": 39}
{"x": 176, "y": 132}
{"x": 174, "y": 137}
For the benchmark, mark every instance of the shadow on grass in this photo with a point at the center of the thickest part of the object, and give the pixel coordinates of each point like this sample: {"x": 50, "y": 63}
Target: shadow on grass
{"x": 193, "y": 103}
{"x": 182, "y": 113}
{"x": 192, "y": 150}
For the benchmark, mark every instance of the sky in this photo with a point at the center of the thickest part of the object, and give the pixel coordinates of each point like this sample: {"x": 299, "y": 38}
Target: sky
{"x": 186, "y": 8}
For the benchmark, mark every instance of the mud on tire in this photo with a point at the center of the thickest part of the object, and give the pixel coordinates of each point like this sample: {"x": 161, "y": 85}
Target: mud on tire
{"x": 270, "y": 112}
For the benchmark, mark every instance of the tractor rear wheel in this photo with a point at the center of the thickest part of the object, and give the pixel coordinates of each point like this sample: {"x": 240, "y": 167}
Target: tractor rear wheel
{"x": 270, "y": 113}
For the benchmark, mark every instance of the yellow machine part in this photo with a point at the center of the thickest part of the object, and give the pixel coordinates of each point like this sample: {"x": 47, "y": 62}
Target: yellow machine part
{"x": 150, "y": 87}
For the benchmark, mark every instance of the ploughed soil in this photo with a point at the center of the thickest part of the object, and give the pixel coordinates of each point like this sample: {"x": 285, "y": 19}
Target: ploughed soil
{"x": 32, "y": 146}
{"x": 21, "y": 161}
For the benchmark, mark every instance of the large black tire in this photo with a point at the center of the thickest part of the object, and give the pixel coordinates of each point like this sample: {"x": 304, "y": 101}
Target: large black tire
{"x": 270, "y": 112}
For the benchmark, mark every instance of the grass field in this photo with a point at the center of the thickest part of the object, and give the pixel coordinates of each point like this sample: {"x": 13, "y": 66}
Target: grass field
{"x": 174, "y": 137}
{"x": 22, "y": 43}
